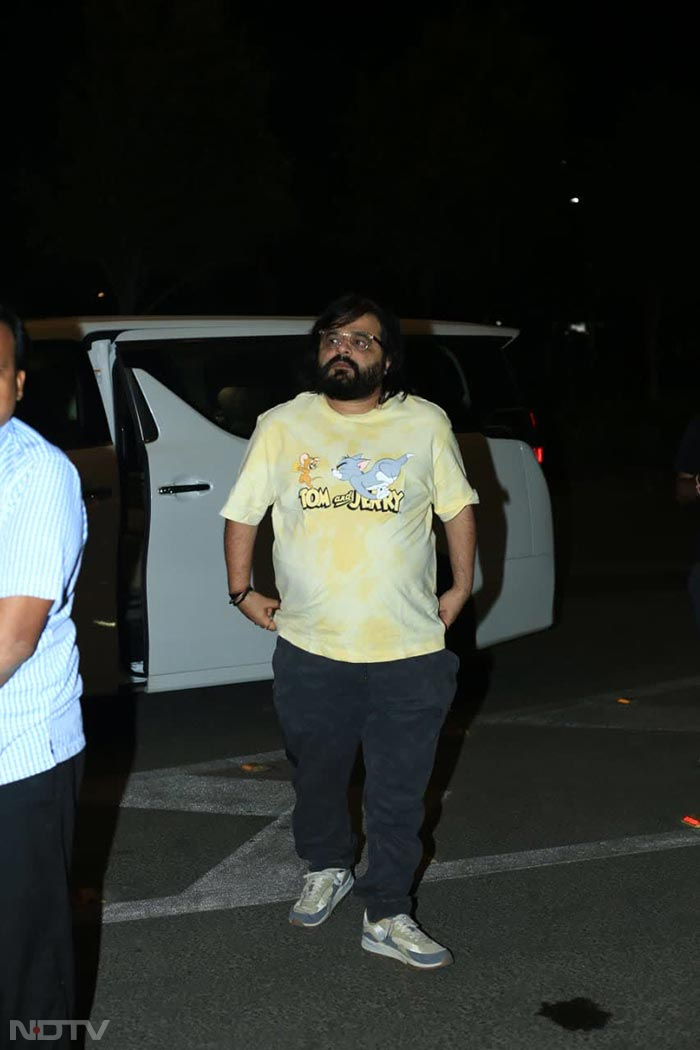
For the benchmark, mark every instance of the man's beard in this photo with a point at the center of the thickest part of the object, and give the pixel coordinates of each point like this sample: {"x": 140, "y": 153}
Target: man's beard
{"x": 351, "y": 384}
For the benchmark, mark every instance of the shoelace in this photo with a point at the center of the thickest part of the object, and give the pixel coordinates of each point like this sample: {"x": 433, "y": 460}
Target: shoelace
{"x": 407, "y": 926}
{"x": 316, "y": 883}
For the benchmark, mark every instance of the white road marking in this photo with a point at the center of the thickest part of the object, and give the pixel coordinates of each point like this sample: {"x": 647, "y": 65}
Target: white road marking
{"x": 218, "y": 765}
{"x": 571, "y": 854}
{"x": 198, "y": 794}
{"x": 266, "y": 870}
{"x": 551, "y": 715}
{"x": 263, "y": 870}
{"x": 556, "y": 722}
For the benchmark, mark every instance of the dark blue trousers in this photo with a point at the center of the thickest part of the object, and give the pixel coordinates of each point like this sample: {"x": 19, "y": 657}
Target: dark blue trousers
{"x": 394, "y": 710}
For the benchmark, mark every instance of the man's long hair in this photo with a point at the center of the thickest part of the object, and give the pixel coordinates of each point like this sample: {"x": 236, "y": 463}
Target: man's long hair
{"x": 341, "y": 312}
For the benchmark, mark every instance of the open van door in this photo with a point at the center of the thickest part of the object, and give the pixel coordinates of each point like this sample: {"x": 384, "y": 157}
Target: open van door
{"x": 180, "y": 627}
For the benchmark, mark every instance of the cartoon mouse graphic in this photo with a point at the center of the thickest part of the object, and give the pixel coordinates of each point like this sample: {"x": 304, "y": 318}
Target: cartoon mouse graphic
{"x": 305, "y": 465}
{"x": 373, "y": 483}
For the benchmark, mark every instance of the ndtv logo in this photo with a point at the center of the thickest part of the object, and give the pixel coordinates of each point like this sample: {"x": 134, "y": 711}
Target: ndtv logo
{"x": 52, "y": 1030}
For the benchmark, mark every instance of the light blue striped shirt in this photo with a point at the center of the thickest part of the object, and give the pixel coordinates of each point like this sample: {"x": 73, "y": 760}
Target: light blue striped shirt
{"x": 43, "y": 528}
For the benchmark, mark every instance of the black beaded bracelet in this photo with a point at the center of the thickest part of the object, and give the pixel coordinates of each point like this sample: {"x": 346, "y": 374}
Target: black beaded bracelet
{"x": 237, "y": 598}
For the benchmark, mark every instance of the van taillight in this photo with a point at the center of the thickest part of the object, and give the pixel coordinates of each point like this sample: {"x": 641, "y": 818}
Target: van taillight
{"x": 537, "y": 449}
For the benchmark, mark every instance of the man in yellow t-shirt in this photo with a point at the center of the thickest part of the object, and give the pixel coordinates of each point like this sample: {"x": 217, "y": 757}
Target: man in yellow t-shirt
{"x": 354, "y": 470}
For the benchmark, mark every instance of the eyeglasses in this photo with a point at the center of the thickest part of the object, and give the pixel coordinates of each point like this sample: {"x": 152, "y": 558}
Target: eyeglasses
{"x": 332, "y": 339}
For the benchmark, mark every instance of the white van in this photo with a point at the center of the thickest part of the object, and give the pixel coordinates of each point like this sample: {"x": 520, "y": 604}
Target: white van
{"x": 156, "y": 413}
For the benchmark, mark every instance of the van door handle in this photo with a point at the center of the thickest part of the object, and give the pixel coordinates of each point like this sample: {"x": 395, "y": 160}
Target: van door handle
{"x": 175, "y": 490}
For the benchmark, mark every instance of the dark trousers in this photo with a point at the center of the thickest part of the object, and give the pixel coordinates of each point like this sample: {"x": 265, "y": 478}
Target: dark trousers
{"x": 37, "y": 817}
{"x": 395, "y": 710}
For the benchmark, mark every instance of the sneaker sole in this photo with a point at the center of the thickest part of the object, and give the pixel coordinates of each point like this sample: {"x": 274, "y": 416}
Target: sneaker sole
{"x": 379, "y": 948}
{"x": 342, "y": 892}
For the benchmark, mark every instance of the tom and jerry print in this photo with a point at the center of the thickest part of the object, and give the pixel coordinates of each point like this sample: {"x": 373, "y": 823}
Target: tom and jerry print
{"x": 369, "y": 483}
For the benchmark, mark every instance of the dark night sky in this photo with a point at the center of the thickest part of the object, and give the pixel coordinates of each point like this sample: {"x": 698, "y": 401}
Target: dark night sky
{"x": 604, "y": 49}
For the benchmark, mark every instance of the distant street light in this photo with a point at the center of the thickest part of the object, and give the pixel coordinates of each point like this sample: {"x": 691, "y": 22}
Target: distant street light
{"x": 574, "y": 200}
{"x": 100, "y": 295}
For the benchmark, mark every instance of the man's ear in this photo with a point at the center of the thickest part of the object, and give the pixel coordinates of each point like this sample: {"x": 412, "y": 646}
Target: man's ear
{"x": 19, "y": 384}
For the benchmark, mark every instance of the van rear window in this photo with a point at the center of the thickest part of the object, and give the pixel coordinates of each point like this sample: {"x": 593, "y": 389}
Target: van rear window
{"x": 468, "y": 376}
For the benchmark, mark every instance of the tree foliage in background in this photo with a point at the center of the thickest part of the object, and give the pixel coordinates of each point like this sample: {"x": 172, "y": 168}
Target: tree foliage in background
{"x": 166, "y": 170}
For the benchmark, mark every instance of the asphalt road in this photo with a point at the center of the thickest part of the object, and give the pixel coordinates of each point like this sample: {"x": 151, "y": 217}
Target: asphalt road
{"x": 558, "y": 868}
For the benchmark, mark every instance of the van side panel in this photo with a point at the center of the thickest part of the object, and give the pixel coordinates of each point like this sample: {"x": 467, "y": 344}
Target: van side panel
{"x": 514, "y": 578}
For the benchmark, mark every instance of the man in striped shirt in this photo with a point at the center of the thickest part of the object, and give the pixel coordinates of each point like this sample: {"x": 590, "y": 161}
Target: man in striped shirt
{"x": 42, "y": 535}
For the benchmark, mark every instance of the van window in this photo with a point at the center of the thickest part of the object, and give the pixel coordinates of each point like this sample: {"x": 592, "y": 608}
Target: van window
{"x": 232, "y": 381}
{"x": 468, "y": 376}
{"x": 229, "y": 381}
{"x": 61, "y": 399}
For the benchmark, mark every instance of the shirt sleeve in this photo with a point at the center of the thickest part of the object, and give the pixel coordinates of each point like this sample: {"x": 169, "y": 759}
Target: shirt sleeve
{"x": 42, "y": 535}
{"x": 688, "y": 455}
{"x": 451, "y": 490}
{"x": 254, "y": 488}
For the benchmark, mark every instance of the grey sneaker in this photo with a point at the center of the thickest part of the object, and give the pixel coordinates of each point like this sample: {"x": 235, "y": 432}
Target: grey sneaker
{"x": 322, "y": 891}
{"x": 401, "y": 938}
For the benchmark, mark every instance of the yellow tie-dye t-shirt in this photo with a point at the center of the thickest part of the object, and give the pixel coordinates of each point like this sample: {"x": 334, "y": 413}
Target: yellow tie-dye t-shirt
{"x": 352, "y": 501}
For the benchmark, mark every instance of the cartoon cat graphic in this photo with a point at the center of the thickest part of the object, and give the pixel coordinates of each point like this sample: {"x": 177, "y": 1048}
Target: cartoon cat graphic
{"x": 373, "y": 483}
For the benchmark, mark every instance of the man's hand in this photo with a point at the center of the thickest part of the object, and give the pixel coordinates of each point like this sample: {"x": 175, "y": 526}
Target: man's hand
{"x": 451, "y": 604}
{"x": 259, "y": 609}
